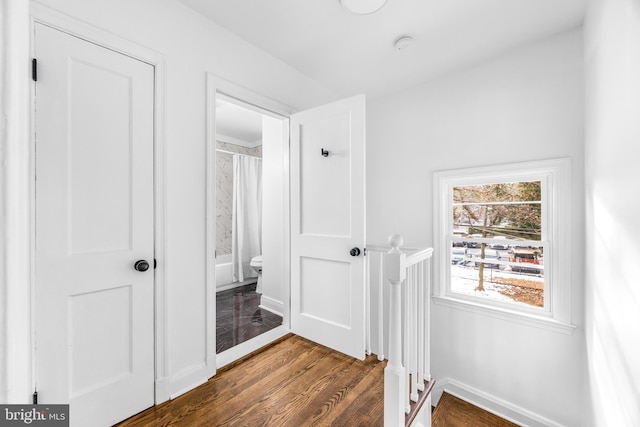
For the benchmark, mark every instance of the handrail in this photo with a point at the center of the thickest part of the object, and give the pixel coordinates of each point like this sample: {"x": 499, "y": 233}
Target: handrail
{"x": 385, "y": 249}
{"x": 419, "y": 255}
{"x": 413, "y": 255}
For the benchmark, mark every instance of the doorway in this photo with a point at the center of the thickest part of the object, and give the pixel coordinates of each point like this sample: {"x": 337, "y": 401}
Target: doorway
{"x": 245, "y": 199}
{"x": 247, "y": 220}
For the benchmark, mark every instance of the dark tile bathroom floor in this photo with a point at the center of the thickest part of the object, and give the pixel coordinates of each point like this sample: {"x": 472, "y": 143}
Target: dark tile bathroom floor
{"x": 239, "y": 317}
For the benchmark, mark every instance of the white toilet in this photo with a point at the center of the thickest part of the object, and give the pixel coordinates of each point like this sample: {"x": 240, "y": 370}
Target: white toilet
{"x": 256, "y": 264}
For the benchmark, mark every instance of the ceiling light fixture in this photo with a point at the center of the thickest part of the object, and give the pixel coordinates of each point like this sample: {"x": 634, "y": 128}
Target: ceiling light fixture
{"x": 363, "y": 7}
{"x": 403, "y": 42}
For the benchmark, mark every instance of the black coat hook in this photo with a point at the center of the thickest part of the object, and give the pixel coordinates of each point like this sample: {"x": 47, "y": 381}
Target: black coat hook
{"x": 324, "y": 152}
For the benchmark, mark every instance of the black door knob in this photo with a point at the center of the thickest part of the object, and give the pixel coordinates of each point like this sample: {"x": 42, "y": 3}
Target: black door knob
{"x": 354, "y": 251}
{"x": 141, "y": 265}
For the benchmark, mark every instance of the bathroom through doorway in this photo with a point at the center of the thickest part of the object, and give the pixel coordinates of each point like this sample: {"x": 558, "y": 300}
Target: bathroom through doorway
{"x": 249, "y": 165}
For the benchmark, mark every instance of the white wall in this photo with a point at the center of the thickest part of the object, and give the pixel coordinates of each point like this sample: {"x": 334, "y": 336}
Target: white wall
{"x": 192, "y": 46}
{"x": 612, "y": 61}
{"x": 523, "y": 106}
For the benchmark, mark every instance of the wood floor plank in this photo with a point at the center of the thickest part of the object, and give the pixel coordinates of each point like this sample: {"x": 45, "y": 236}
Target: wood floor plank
{"x": 265, "y": 369}
{"x": 339, "y": 384}
{"x": 264, "y": 393}
{"x": 265, "y": 399}
{"x": 235, "y": 381}
{"x": 454, "y": 412}
{"x": 335, "y": 371}
{"x": 364, "y": 404}
{"x": 294, "y": 382}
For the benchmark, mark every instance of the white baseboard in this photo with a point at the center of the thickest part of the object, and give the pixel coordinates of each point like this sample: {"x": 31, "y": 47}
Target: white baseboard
{"x": 272, "y": 305}
{"x": 188, "y": 379}
{"x": 211, "y": 367}
{"x": 162, "y": 390}
{"x": 490, "y": 403}
{"x": 193, "y": 376}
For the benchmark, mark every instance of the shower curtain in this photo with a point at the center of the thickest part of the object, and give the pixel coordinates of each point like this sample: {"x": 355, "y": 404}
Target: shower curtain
{"x": 246, "y": 227}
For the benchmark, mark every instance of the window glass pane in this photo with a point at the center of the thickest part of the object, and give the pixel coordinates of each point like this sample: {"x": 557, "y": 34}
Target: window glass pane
{"x": 511, "y": 210}
{"x": 496, "y": 254}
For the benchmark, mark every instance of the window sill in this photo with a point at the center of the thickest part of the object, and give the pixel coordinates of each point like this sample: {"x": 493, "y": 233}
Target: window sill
{"x": 504, "y": 314}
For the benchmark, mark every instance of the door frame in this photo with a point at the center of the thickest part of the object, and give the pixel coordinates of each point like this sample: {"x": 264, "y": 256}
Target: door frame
{"x": 46, "y": 16}
{"x": 217, "y": 86}
{"x": 16, "y": 383}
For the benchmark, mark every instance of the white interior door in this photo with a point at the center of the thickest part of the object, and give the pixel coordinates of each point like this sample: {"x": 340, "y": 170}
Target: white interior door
{"x": 94, "y": 220}
{"x": 327, "y": 222}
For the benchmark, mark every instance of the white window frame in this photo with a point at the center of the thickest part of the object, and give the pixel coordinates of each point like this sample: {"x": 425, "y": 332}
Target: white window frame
{"x": 554, "y": 175}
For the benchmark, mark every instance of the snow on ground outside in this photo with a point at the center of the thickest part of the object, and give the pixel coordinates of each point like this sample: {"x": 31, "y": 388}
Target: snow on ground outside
{"x": 464, "y": 280}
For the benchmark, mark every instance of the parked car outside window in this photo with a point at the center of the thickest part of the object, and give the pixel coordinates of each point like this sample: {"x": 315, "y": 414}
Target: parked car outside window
{"x": 457, "y": 255}
{"x": 501, "y": 243}
{"x": 489, "y": 255}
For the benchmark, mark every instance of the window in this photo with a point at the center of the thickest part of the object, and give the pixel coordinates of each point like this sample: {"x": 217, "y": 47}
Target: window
{"x": 501, "y": 240}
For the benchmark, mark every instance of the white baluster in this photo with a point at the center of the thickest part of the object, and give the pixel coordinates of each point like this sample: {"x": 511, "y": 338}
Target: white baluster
{"x": 406, "y": 340}
{"x": 420, "y": 323}
{"x": 408, "y": 329}
{"x": 367, "y": 307}
{"x": 394, "y": 373}
{"x": 381, "y": 307}
{"x": 414, "y": 333}
{"x": 427, "y": 321}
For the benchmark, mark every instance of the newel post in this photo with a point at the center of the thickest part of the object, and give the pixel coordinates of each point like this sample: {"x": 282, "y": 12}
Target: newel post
{"x": 394, "y": 372}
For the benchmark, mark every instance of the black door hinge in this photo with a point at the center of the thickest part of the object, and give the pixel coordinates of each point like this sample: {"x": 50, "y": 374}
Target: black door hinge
{"x": 35, "y": 397}
{"x": 155, "y": 263}
{"x": 34, "y": 69}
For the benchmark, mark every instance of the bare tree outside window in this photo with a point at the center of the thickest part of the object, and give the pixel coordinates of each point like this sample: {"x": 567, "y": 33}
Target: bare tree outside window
{"x": 509, "y": 214}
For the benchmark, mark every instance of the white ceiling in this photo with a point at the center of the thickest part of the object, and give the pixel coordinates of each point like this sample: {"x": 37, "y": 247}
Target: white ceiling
{"x": 238, "y": 125}
{"x": 354, "y": 53}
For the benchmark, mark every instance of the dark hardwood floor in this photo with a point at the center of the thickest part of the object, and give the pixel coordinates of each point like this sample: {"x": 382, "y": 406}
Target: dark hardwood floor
{"x": 294, "y": 382}
{"x": 454, "y": 412}
{"x": 239, "y": 317}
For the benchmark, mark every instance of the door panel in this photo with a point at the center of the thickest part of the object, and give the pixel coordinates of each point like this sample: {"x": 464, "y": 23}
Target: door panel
{"x": 327, "y": 220}
{"x": 325, "y": 203}
{"x": 100, "y": 336}
{"x": 318, "y": 301}
{"x": 102, "y": 149}
{"x": 94, "y": 220}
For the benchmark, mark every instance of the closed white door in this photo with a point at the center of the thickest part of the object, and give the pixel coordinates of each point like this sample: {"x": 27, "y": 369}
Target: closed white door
{"x": 94, "y": 220}
{"x": 328, "y": 225}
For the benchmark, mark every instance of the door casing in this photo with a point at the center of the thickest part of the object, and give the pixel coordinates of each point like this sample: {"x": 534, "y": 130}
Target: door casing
{"x": 215, "y": 87}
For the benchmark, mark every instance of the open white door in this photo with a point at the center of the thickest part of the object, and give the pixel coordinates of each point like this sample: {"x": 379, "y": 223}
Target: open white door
{"x": 94, "y": 220}
{"x": 328, "y": 225}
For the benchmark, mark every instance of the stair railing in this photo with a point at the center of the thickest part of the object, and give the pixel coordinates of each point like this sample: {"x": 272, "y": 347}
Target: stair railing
{"x": 408, "y": 273}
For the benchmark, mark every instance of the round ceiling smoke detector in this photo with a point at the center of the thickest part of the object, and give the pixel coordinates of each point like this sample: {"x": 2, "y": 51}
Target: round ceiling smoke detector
{"x": 363, "y": 7}
{"x": 403, "y": 42}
